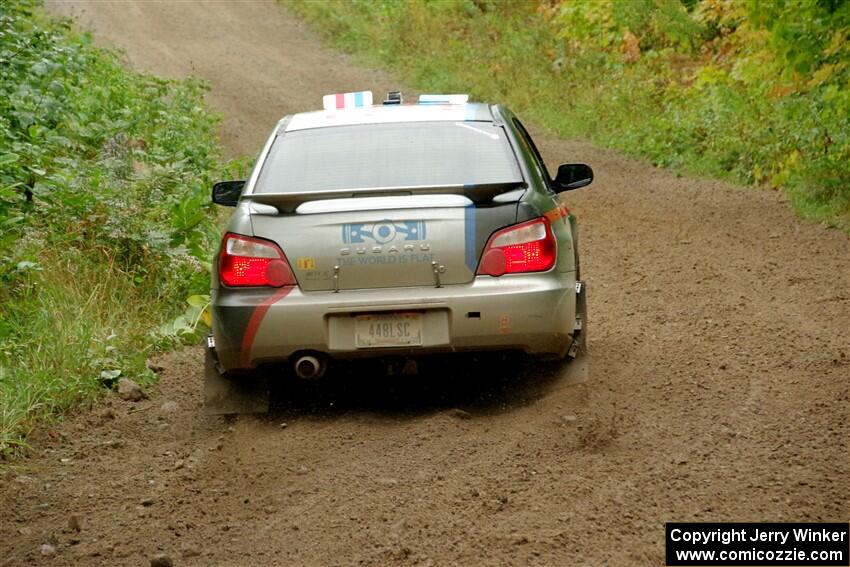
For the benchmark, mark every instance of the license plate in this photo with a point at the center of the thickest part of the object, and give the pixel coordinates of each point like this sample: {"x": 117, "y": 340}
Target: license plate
{"x": 388, "y": 330}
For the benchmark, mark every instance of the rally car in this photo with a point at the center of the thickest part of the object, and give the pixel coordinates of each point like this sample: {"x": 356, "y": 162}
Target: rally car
{"x": 393, "y": 230}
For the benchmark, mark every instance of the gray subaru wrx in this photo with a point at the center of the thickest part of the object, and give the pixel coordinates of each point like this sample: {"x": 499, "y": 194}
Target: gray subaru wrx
{"x": 392, "y": 230}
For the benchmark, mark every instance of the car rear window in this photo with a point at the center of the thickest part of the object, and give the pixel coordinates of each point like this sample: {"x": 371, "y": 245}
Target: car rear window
{"x": 389, "y": 155}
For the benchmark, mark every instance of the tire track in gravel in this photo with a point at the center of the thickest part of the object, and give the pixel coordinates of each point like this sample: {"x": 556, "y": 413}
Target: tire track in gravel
{"x": 718, "y": 382}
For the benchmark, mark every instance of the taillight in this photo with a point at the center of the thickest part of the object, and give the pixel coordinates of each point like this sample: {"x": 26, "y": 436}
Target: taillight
{"x": 526, "y": 247}
{"x": 246, "y": 261}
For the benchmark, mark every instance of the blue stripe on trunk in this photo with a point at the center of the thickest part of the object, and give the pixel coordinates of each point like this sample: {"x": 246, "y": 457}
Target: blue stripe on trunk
{"x": 470, "y": 247}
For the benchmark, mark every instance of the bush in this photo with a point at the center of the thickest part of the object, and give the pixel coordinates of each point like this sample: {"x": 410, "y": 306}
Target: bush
{"x": 105, "y": 219}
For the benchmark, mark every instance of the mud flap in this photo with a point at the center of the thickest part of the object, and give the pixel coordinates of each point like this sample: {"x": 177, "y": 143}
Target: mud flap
{"x": 579, "y": 346}
{"x": 574, "y": 369}
{"x": 225, "y": 395}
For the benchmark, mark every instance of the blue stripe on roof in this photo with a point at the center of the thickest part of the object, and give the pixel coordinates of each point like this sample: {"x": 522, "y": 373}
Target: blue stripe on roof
{"x": 358, "y": 98}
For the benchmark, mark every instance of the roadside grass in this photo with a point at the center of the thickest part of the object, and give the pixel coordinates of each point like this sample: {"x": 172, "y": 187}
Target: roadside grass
{"x": 733, "y": 90}
{"x": 105, "y": 220}
{"x": 75, "y": 321}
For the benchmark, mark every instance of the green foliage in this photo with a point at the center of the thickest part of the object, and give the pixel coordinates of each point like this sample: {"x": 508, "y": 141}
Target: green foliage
{"x": 105, "y": 221}
{"x": 755, "y": 91}
{"x": 190, "y": 326}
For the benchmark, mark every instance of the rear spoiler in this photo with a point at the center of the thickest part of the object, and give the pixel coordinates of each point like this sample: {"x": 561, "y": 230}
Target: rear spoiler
{"x": 288, "y": 202}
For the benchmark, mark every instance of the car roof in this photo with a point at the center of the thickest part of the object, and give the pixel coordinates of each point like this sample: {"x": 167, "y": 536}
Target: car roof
{"x": 383, "y": 114}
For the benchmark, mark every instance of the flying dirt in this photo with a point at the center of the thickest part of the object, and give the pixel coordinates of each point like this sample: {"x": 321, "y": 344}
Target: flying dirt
{"x": 716, "y": 385}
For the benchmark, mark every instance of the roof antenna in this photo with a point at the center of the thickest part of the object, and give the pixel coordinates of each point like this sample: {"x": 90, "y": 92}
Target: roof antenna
{"x": 394, "y": 97}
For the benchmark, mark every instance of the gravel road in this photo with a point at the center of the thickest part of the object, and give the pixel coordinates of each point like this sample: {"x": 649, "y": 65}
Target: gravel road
{"x": 717, "y": 386}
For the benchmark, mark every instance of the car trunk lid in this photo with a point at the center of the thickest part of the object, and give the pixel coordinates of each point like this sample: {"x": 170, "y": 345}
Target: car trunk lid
{"x": 375, "y": 242}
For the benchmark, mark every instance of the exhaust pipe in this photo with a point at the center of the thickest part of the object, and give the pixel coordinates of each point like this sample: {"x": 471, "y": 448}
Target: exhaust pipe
{"x": 309, "y": 367}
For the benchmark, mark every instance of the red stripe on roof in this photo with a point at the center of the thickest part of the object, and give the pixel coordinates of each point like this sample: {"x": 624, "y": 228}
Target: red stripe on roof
{"x": 340, "y": 100}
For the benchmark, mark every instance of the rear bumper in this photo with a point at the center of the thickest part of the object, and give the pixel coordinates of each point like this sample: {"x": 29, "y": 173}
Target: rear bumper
{"x": 534, "y": 313}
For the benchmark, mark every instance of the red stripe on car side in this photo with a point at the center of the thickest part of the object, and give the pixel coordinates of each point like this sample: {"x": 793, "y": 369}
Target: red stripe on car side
{"x": 254, "y": 323}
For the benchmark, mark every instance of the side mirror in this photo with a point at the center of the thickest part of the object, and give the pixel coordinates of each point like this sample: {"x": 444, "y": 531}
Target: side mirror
{"x": 572, "y": 176}
{"x": 227, "y": 193}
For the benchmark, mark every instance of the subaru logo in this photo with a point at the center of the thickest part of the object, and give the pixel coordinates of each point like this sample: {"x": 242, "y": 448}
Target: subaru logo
{"x": 383, "y": 231}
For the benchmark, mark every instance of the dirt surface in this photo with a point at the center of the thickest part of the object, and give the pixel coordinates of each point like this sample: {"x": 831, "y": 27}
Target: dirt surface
{"x": 718, "y": 381}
